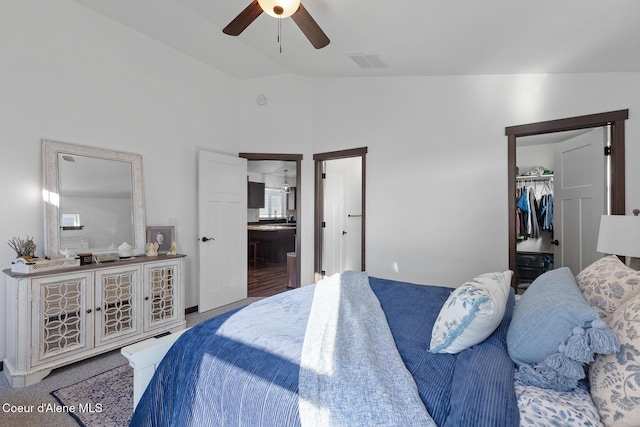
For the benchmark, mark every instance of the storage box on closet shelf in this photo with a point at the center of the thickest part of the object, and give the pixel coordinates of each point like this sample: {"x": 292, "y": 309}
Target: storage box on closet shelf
{"x": 27, "y": 265}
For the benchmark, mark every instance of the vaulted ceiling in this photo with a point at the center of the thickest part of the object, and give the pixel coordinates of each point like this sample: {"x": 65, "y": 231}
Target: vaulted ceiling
{"x": 410, "y": 37}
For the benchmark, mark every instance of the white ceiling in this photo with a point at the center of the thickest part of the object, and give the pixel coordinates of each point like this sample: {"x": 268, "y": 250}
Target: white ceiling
{"x": 272, "y": 167}
{"x": 550, "y": 138}
{"x": 412, "y": 37}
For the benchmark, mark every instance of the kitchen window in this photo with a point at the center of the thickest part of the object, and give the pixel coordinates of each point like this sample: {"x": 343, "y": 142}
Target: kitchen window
{"x": 274, "y": 204}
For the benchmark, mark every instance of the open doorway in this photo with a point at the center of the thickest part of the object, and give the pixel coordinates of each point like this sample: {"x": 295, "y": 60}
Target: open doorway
{"x": 562, "y": 191}
{"x": 273, "y": 223}
{"x": 613, "y": 122}
{"x": 340, "y": 214}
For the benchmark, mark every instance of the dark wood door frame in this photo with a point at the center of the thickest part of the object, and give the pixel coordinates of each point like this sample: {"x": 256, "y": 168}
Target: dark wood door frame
{"x": 319, "y": 159}
{"x": 616, "y": 122}
{"x": 288, "y": 158}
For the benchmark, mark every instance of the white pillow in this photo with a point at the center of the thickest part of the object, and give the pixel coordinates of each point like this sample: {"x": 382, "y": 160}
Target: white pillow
{"x": 471, "y": 313}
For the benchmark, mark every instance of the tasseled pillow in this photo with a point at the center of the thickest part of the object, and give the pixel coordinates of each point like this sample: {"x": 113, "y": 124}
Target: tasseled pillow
{"x": 554, "y": 332}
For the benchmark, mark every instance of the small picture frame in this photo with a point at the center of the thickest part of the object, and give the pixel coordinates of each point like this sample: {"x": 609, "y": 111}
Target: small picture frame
{"x": 164, "y": 235}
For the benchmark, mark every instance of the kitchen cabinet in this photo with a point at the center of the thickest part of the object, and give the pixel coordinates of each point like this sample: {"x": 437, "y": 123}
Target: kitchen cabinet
{"x": 277, "y": 241}
{"x": 255, "y": 195}
{"x": 58, "y": 317}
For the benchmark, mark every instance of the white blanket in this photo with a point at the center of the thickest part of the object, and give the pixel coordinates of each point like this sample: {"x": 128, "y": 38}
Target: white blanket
{"x": 351, "y": 373}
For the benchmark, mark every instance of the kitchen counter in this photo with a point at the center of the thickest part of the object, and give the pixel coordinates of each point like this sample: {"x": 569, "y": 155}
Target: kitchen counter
{"x": 271, "y": 227}
{"x": 277, "y": 240}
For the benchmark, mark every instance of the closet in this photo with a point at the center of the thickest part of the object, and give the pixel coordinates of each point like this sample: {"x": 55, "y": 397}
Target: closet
{"x": 534, "y": 225}
{"x": 571, "y": 167}
{"x": 535, "y": 194}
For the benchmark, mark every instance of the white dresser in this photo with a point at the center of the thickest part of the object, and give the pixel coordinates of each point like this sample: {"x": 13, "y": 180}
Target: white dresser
{"x": 58, "y": 317}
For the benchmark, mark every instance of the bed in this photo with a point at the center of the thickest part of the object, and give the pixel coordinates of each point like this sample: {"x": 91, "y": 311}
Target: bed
{"x": 258, "y": 366}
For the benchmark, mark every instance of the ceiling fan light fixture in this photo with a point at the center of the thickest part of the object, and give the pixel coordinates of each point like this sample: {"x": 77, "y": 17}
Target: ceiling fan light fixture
{"x": 279, "y": 8}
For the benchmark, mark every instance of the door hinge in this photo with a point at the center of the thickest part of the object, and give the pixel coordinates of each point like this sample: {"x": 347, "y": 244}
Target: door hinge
{"x": 324, "y": 175}
{"x": 607, "y": 150}
{"x": 323, "y": 273}
{"x": 324, "y": 224}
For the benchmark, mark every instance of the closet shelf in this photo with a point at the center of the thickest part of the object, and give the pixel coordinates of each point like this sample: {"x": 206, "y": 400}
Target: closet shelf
{"x": 534, "y": 177}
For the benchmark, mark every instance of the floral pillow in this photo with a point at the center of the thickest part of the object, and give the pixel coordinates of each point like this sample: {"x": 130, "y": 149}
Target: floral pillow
{"x": 541, "y": 407}
{"x": 471, "y": 313}
{"x": 615, "y": 378}
{"x": 607, "y": 283}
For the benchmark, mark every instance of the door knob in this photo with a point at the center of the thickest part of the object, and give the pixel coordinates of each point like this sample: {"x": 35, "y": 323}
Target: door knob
{"x": 206, "y": 239}
{"x": 344, "y": 232}
{"x": 555, "y": 242}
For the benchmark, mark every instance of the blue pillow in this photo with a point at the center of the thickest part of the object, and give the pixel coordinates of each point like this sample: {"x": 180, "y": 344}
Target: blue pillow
{"x": 554, "y": 331}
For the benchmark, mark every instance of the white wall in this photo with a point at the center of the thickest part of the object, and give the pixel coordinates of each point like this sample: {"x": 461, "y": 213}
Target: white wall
{"x": 437, "y": 160}
{"x": 283, "y": 125}
{"x": 70, "y": 74}
{"x": 532, "y": 156}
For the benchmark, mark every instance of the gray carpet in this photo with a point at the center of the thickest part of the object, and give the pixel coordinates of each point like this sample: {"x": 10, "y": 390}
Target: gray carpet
{"x": 40, "y": 394}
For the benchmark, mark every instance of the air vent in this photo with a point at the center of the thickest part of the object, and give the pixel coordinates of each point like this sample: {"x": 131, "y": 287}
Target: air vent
{"x": 369, "y": 60}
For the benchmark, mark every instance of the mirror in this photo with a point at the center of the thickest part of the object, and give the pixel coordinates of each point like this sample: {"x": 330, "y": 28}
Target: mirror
{"x": 94, "y": 199}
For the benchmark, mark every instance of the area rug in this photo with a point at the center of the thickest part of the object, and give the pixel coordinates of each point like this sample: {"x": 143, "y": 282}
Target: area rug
{"x": 104, "y": 400}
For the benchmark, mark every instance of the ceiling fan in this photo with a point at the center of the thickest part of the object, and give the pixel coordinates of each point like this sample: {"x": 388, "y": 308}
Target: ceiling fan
{"x": 280, "y": 9}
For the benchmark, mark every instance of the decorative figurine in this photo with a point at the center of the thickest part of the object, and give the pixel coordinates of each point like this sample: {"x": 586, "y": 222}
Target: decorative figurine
{"x": 173, "y": 250}
{"x": 152, "y": 249}
{"x": 124, "y": 250}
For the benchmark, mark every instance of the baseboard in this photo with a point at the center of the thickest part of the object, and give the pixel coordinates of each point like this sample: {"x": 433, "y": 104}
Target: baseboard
{"x": 190, "y": 310}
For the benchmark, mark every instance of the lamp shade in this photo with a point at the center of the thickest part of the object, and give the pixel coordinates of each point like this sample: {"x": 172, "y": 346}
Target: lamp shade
{"x": 279, "y": 8}
{"x": 619, "y": 235}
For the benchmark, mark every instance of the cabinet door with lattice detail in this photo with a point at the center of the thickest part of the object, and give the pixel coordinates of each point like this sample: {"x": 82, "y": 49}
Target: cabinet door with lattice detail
{"x": 116, "y": 315}
{"x": 62, "y": 316}
{"x": 161, "y": 294}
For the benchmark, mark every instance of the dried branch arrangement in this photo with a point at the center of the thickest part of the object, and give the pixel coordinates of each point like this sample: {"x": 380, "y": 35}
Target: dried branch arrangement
{"x": 23, "y": 247}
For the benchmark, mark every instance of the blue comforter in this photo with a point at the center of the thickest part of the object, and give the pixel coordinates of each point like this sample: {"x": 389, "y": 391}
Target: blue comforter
{"x": 242, "y": 368}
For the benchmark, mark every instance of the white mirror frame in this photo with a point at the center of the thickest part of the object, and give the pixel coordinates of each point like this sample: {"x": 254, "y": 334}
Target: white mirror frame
{"x": 50, "y": 151}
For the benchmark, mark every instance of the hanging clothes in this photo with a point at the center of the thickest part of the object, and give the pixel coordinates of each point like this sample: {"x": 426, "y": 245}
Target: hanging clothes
{"x": 523, "y": 200}
{"x": 522, "y": 213}
{"x": 534, "y": 231}
{"x": 545, "y": 216}
{"x": 534, "y": 211}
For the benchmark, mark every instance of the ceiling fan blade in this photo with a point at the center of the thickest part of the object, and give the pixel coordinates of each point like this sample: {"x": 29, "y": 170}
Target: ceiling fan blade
{"x": 310, "y": 28}
{"x": 242, "y": 21}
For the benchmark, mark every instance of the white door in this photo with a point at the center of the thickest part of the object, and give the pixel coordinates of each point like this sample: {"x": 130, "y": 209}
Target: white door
{"x": 579, "y": 199}
{"x": 222, "y": 228}
{"x": 352, "y": 238}
{"x": 333, "y": 221}
{"x": 342, "y": 234}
